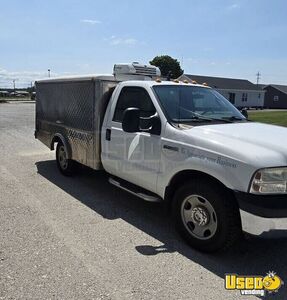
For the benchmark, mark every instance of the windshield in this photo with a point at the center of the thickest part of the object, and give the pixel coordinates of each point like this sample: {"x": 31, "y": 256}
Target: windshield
{"x": 189, "y": 103}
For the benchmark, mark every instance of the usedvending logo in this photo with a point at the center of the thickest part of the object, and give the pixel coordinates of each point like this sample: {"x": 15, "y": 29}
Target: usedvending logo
{"x": 254, "y": 285}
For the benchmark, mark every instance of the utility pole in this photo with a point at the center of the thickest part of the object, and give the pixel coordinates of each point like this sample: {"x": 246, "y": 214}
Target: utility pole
{"x": 49, "y": 73}
{"x": 258, "y": 76}
{"x": 182, "y": 61}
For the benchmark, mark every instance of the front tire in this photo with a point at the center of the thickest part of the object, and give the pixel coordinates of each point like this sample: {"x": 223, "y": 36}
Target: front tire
{"x": 206, "y": 216}
{"x": 65, "y": 165}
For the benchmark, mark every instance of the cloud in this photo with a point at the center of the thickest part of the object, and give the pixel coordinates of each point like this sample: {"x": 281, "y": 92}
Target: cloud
{"x": 22, "y": 78}
{"x": 233, "y": 6}
{"x": 114, "y": 41}
{"x": 91, "y": 22}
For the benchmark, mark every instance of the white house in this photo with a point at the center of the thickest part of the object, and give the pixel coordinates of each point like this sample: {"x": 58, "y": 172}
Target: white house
{"x": 240, "y": 92}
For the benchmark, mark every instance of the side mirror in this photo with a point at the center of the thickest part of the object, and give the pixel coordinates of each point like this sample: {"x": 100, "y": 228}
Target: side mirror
{"x": 131, "y": 120}
{"x": 244, "y": 112}
{"x": 156, "y": 125}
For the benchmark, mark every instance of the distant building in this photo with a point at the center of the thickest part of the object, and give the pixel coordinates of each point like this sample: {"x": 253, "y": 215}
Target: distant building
{"x": 4, "y": 93}
{"x": 275, "y": 96}
{"x": 240, "y": 92}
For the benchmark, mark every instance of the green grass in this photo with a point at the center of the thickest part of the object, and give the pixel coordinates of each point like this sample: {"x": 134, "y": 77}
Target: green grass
{"x": 269, "y": 117}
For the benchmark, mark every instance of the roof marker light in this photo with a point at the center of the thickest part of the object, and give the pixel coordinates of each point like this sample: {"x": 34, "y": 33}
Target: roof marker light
{"x": 194, "y": 82}
{"x": 176, "y": 80}
{"x": 205, "y": 84}
{"x": 158, "y": 80}
{"x": 185, "y": 81}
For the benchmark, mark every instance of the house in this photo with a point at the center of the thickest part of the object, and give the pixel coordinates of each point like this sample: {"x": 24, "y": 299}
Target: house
{"x": 4, "y": 93}
{"x": 240, "y": 92}
{"x": 275, "y": 96}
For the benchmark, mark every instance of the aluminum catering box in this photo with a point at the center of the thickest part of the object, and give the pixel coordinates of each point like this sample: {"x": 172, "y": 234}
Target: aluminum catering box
{"x": 73, "y": 109}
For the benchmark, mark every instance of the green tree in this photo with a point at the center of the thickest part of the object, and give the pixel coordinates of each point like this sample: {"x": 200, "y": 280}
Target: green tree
{"x": 168, "y": 66}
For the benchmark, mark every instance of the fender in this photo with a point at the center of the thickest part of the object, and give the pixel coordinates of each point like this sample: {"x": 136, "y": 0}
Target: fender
{"x": 59, "y": 137}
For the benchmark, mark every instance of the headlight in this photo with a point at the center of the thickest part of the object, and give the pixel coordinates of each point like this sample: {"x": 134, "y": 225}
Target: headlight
{"x": 269, "y": 181}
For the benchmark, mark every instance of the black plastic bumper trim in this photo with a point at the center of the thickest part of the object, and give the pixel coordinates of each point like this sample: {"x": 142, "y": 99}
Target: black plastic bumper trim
{"x": 267, "y": 206}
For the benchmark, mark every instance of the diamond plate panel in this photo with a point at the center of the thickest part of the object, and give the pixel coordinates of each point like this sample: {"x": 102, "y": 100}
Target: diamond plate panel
{"x": 74, "y": 109}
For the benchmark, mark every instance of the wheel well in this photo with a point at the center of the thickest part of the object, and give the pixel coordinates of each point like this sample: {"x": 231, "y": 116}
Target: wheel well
{"x": 56, "y": 139}
{"x": 183, "y": 176}
{"x": 59, "y": 138}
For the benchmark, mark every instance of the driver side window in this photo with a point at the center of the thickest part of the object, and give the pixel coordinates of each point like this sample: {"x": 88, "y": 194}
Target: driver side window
{"x": 134, "y": 97}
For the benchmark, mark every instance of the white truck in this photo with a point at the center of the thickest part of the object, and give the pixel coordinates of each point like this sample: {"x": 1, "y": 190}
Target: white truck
{"x": 170, "y": 141}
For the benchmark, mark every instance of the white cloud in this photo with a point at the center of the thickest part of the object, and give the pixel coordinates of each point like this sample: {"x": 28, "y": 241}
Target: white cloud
{"x": 114, "y": 41}
{"x": 91, "y": 22}
{"x": 233, "y": 6}
{"x": 22, "y": 78}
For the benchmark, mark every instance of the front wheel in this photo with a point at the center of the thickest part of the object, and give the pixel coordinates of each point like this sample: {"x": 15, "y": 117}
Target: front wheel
{"x": 206, "y": 216}
{"x": 65, "y": 165}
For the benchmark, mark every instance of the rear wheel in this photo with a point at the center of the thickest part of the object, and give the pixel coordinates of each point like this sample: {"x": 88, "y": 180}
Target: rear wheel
{"x": 65, "y": 165}
{"x": 206, "y": 216}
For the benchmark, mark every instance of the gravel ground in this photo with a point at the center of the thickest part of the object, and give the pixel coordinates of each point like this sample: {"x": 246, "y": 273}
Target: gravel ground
{"x": 81, "y": 238}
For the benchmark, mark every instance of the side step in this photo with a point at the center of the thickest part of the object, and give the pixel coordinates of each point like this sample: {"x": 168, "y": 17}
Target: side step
{"x": 134, "y": 189}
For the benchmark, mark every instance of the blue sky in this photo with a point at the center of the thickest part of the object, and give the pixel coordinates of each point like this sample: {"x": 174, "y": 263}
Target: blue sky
{"x": 220, "y": 38}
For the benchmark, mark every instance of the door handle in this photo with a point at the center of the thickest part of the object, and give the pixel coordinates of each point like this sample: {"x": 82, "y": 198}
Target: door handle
{"x": 108, "y": 134}
{"x": 168, "y": 147}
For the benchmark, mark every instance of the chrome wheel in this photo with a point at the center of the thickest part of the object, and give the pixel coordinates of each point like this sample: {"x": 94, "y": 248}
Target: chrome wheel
{"x": 62, "y": 158}
{"x": 199, "y": 217}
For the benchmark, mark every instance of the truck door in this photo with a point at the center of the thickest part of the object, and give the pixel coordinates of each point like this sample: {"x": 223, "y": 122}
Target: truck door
{"x": 134, "y": 157}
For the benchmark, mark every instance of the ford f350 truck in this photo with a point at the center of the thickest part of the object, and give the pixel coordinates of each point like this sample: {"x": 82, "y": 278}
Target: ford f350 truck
{"x": 171, "y": 141}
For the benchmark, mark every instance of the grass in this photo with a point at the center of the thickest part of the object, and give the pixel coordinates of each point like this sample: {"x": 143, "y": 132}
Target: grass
{"x": 269, "y": 117}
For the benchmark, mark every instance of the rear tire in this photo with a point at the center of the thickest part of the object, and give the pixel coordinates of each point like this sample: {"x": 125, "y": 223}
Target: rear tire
{"x": 66, "y": 166}
{"x": 206, "y": 216}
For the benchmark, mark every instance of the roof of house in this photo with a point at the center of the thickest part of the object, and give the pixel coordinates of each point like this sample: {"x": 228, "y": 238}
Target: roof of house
{"x": 281, "y": 88}
{"x": 262, "y": 85}
{"x": 224, "y": 83}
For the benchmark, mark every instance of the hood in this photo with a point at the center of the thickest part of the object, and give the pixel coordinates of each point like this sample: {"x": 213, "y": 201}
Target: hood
{"x": 256, "y": 143}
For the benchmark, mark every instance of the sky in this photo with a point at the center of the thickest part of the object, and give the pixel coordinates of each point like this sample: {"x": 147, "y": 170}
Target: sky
{"x": 213, "y": 37}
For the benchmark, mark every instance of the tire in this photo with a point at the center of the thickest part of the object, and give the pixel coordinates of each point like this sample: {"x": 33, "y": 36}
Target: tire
{"x": 66, "y": 166}
{"x": 206, "y": 216}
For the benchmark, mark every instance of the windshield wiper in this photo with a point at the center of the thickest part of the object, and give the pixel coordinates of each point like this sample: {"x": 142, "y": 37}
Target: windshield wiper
{"x": 221, "y": 120}
{"x": 235, "y": 118}
{"x": 198, "y": 117}
{"x": 202, "y": 119}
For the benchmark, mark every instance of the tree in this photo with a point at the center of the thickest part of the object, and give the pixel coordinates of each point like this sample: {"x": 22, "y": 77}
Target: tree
{"x": 168, "y": 66}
